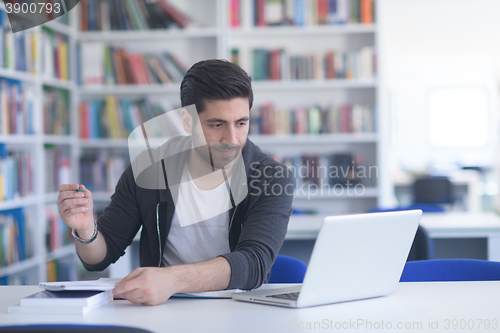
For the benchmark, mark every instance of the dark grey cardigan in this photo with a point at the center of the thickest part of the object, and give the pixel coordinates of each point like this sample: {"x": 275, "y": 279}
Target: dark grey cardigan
{"x": 257, "y": 226}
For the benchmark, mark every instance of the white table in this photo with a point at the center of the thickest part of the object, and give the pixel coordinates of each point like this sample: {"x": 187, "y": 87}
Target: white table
{"x": 466, "y": 225}
{"x": 416, "y": 305}
{"x": 439, "y": 225}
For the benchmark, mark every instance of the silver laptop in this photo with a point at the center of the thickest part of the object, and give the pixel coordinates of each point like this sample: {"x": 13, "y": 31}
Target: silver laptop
{"x": 355, "y": 257}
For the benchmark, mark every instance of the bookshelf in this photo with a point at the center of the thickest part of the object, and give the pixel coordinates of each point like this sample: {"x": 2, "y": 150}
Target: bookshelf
{"x": 38, "y": 80}
{"x": 211, "y": 34}
{"x": 252, "y": 29}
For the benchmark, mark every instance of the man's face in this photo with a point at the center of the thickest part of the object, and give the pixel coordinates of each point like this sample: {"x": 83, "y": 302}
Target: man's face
{"x": 223, "y": 125}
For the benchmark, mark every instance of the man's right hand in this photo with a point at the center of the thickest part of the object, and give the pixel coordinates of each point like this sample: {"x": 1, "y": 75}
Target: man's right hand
{"x": 76, "y": 209}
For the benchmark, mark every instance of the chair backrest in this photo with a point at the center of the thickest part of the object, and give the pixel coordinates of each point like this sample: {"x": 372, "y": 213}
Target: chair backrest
{"x": 451, "y": 270}
{"x": 70, "y": 328}
{"x": 432, "y": 190}
{"x": 287, "y": 270}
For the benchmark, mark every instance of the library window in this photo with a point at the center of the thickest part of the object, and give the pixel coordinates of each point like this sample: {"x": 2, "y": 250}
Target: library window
{"x": 458, "y": 117}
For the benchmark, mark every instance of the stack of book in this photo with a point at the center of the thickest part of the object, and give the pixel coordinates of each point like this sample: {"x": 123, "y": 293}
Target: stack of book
{"x": 17, "y": 51}
{"x": 16, "y": 173}
{"x": 278, "y": 64}
{"x": 346, "y": 118}
{"x": 55, "y": 60}
{"x": 117, "y": 119}
{"x": 102, "y": 64}
{"x": 56, "y": 112}
{"x": 16, "y": 243}
{"x": 63, "y": 302}
{"x": 104, "y": 15}
{"x": 304, "y": 12}
{"x": 16, "y": 108}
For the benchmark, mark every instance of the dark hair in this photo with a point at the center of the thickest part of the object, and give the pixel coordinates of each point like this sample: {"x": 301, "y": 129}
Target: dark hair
{"x": 215, "y": 80}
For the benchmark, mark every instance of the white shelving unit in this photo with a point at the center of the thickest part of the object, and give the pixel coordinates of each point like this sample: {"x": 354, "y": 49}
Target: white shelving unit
{"x": 212, "y": 37}
{"x": 34, "y": 269}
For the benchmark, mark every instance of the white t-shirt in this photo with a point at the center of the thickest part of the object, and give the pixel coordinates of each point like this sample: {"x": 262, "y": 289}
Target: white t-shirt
{"x": 199, "y": 229}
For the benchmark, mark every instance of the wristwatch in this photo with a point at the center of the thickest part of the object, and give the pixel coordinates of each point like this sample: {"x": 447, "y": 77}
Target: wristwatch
{"x": 86, "y": 241}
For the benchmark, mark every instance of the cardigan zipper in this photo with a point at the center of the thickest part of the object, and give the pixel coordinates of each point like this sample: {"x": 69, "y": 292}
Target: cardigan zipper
{"x": 158, "y": 231}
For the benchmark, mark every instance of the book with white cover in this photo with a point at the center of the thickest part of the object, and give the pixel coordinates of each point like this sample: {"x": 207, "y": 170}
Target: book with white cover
{"x": 67, "y": 298}
{"x": 101, "y": 284}
{"x": 75, "y": 310}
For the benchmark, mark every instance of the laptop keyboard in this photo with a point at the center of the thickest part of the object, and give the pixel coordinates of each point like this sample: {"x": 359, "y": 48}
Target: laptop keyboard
{"x": 288, "y": 296}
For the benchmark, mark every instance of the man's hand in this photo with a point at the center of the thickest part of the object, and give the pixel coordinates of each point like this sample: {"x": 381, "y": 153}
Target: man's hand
{"x": 154, "y": 285}
{"x": 148, "y": 285}
{"x": 76, "y": 209}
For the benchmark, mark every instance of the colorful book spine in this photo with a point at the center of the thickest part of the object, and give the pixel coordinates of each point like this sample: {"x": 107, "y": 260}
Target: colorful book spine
{"x": 56, "y": 111}
{"x": 269, "y": 120}
{"x": 16, "y": 173}
{"x": 16, "y": 242}
{"x": 55, "y": 58}
{"x": 329, "y": 174}
{"x": 16, "y": 108}
{"x": 57, "y": 166}
{"x": 17, "y": 51}
{"x": 278, "y": 64}
{"x": 101, "y": 171}
{"x": 102, "y": 64}
{"x": 309, "y": 12}
{"x": 235, "y": 13}
{"x": 58, "y": 234}
{"x": 117, "y": 119}
{"x": 102, "y": 15}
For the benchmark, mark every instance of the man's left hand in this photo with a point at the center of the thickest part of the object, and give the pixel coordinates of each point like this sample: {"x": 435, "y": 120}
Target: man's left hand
{"x": 147, "y": 285}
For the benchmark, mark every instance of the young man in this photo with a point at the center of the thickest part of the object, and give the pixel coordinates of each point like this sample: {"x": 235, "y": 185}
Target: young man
{"x": 213, "y": 207}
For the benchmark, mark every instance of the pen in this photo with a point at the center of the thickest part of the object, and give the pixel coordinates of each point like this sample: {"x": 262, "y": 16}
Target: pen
{"x": 79, "y": 190}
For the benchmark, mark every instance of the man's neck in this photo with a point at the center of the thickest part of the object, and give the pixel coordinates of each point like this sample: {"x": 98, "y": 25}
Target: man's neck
{"x": 198, "y": 168}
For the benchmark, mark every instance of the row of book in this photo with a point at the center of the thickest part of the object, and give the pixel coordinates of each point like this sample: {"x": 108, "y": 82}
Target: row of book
{"x": 102, "y": 64}
{"x": 16, "y": 237}
{"x": 56, "y": 119}
{"x": 57, "y": 167}
{"x": 117, "y": 119}
{"x": 101, "y": 171}
{"x": 16, "y": 108}
{"x": 304, "y": 12}
{"x": 16, "y": 173}
{"x": 105, "y": 15}
{"x": 346, "y": 118}
{"x": 17, "y": 50}
{"x": 278, "y": 64}
{"x": 331, "y": 172}
{"x": 57, "y": 234}
{"x": 54, "y": 55}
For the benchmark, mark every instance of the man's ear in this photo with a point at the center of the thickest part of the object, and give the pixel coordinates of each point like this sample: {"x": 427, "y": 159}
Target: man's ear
{"x": 187, "y": 121}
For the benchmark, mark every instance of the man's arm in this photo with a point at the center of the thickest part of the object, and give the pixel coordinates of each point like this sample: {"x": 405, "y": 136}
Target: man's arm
{"x": 154, "y": 285}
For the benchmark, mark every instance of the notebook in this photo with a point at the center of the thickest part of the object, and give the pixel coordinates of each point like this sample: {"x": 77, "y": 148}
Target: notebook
{"x": 355, "y": 257}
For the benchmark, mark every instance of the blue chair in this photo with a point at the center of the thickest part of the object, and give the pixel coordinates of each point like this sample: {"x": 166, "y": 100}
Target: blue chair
{"x": 451, "y": 270}
{"x": 70, "y": 328}
{"x": 287, "y": 270}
